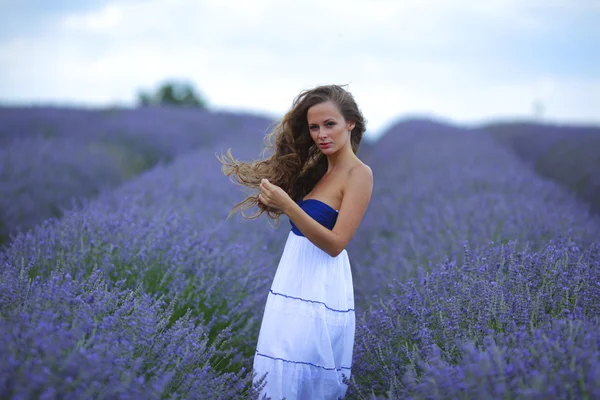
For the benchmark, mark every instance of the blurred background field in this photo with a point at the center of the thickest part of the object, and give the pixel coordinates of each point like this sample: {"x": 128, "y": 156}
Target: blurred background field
{"x": 53, "y": 157}
{"x": 476, "y": 267}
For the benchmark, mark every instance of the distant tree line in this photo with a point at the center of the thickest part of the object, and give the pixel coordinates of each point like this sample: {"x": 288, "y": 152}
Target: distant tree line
{"x": 174, "y": 93}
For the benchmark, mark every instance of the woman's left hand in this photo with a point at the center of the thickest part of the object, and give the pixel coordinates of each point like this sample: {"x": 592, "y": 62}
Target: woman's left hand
{"x": 273, "y": 196}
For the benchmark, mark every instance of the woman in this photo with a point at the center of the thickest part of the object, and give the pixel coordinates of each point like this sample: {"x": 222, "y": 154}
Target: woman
{"x": 315, "y": 178}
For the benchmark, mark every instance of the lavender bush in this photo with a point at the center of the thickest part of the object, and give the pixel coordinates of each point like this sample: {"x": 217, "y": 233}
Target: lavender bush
{"x": 500, "y": 294}
{"x": 72, "y": 339}
{"x": 558, "y": 360}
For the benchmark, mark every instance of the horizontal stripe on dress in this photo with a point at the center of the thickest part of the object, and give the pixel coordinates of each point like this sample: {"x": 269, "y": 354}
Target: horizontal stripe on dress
{"x": 310, "y": 301}
{"x": 302, "y": 362}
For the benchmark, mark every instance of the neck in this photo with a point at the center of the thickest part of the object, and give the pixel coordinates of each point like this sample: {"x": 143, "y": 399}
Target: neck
{"x": 341, "y": 159}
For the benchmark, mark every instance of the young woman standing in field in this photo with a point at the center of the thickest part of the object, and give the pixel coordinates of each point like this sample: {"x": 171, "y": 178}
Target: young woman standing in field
{"x": 315, "y": 178}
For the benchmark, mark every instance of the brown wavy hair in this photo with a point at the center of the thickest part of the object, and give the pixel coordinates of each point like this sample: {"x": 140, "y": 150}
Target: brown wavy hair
{"x": 296, "y": 164}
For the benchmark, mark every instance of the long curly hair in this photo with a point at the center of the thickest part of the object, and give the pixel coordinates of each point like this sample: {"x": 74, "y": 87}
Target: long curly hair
{"x": 296, "y": 164}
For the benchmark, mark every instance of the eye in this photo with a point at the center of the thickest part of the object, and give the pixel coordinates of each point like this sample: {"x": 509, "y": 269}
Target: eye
{"x": 312, "y": 128}
{"x": 330, "y": 123}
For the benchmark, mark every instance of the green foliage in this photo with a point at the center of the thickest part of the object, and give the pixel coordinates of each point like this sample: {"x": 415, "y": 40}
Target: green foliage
{"x": 173, "y": 93}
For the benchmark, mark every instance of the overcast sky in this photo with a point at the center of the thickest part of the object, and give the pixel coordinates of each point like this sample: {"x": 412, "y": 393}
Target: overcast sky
{"x": 457, "y": 60}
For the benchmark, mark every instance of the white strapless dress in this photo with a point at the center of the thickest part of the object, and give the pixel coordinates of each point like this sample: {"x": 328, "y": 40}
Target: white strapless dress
{"x": 307, "y": 332}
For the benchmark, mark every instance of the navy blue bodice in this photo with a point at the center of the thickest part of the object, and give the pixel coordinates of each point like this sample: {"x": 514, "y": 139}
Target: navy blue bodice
{"x": 319, "y": 211}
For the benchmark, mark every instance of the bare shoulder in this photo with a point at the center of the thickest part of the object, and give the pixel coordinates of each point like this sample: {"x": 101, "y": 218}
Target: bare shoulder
{"x": 359, "y": 181}
{"x": 361, "y": 173}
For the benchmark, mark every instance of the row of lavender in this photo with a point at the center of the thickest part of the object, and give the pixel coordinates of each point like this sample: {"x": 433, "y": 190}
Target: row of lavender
{"x": 95, "y": 304}
{"x": 566, "y": 153}
{"x": 478, "y": 278}
{"x": 51, "y": 158}
{"x": 447, "y": 186}
{"x": 137, "y": 293}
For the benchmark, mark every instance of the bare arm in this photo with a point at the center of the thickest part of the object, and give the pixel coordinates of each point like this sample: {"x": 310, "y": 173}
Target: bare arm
{"x": 357, "y": 194}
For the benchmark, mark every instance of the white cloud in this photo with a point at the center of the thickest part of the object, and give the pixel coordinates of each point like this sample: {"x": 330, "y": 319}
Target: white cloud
{"x": 101, "y": 21}
{"x": 397, "y": 56}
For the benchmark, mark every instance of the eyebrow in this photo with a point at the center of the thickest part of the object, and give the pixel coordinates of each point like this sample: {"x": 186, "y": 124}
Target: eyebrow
{"x": 328, "y": 119}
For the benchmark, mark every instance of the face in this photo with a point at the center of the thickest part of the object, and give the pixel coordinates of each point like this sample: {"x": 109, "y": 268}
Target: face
{"x": 327, "y": 126}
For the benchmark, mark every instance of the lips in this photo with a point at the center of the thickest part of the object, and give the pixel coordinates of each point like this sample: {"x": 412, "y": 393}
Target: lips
{"x": 323, "y": 145}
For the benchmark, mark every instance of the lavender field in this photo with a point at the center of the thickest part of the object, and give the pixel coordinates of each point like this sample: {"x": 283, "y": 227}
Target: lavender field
{"x": 475, "y": 275}
{"x": 552, "y": 152}
{"x": 52, "y": 158}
